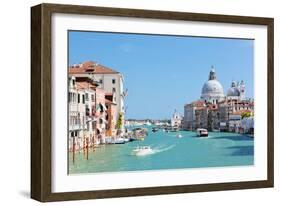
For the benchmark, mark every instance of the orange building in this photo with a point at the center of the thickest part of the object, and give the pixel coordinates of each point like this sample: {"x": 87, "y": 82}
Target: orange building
{"x": 110, "y": 117}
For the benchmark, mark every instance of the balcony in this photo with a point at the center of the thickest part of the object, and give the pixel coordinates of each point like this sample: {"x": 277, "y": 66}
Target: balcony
{"x": 77, "y": 127}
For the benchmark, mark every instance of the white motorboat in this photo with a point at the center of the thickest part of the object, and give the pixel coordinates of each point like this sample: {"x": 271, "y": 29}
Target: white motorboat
{"x": 119, "y": 141}
{"x": 142, "y": 150}
{"x": 179, "y": 136}
{"x": 202, "y": 132}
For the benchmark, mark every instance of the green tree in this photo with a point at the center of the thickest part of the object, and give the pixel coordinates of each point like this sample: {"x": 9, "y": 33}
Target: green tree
{"x": 245, "y": 114}
{"x": 119, "y": 121}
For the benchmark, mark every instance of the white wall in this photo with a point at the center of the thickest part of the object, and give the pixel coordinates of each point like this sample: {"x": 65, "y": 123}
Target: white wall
{"x": 15, "y": 87}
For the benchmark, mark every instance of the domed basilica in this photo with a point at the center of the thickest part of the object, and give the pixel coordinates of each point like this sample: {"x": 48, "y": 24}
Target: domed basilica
{"x": 212, "y": 91}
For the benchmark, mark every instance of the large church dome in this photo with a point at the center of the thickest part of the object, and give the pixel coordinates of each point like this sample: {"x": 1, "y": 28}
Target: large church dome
{"x": 212, "y": 90}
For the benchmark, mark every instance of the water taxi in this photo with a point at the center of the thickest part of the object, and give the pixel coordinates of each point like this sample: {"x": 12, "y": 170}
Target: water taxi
{"x": 202, "y": 132}
{"x": 142, "y": 150}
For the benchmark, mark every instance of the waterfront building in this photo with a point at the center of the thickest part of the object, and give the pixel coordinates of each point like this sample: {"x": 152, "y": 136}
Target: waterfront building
{"x": 110, "y": 115}
{"x": 176, "y": 120}
{"x": 198, "y": 114}
{"x": 88, "y": 86}
{"x": 213, "y": 117}
{"x": 109, "y": 80}
{"x": 189, "y": 114}
{"x": 78, "y": 116}
{"x": 230, "y": 109}
{"x": 100, "y": 114}
{"x": 201, "y": 118}
{"x": 92, "y": 113}
{"x": 234, "y": 123}
{"x": 224, "y": 112}
{"x": 247, "y": 125}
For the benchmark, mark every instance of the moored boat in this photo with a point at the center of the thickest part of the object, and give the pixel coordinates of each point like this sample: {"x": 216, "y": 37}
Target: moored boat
{"x": 119, "y": 141}
{"x": 154, "y": 129}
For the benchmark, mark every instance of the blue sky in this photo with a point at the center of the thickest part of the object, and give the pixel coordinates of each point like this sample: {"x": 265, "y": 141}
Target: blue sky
{"x": 162, "y": 73}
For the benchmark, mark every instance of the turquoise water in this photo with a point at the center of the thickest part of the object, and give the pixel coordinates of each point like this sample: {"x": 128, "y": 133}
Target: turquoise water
{"x": 169, "y": 152}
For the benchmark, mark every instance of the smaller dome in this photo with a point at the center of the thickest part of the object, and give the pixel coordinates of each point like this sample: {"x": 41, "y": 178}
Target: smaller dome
{"x": 233, "y": 92}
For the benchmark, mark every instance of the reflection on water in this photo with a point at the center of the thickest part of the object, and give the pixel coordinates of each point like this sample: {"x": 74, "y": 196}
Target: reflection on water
{"x": 169, "y": 152}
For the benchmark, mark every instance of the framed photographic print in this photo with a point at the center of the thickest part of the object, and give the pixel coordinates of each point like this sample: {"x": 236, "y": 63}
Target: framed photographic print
{"x": 130, "y": 102}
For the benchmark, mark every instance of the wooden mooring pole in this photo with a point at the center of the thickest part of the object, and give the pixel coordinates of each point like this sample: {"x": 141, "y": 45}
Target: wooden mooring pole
{"x": 73, "y": 149}
{"x": 87, "y": 147}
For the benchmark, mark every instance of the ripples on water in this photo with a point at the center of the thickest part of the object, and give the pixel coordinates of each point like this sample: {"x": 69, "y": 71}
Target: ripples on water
{"x": 169, "y": 152}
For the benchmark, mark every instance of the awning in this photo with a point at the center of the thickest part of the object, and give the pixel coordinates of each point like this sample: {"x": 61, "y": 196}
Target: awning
{"x": 103, "y": 106}
{"x": 100, "y": 106}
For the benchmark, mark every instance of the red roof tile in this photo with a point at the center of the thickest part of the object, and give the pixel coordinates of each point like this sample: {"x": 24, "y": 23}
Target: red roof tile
{"x": 88, "y": 66}
{"x": 198, "y": 103}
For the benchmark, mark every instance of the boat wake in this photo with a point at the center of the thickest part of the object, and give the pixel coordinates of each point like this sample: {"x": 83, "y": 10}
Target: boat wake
{"x": 209, "y": 137}
{"x": 163, "y": 148}
{"x": 153, "y": 150}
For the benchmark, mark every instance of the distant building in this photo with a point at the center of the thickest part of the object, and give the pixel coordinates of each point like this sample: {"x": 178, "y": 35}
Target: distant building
{"x": 247, "y": 125}
{"x": 214, "y": 110}
{"x": 176, "y": 120}
{"x": 231, "y": 109}
{"x": 199, "y": 114}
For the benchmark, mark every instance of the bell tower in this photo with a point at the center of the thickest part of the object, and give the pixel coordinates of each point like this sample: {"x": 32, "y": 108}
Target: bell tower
{"x": 242, "y": 89}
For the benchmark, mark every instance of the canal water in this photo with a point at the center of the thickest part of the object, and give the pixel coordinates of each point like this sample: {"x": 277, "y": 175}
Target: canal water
{"x": 168, "y": 152}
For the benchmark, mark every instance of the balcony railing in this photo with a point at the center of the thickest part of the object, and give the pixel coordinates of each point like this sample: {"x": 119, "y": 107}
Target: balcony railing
{"x": 77, "y": 127}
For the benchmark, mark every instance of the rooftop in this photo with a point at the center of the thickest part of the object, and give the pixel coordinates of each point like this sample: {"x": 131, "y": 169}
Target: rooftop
{"x": 90, "y": 67}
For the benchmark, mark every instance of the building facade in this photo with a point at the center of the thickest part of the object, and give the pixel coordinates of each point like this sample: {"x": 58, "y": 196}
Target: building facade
{"x": 92, "y": 113}
{"x": 189, "y": 119}
{"x": 109, "y": 80}
{"x": 176, "y": 120}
